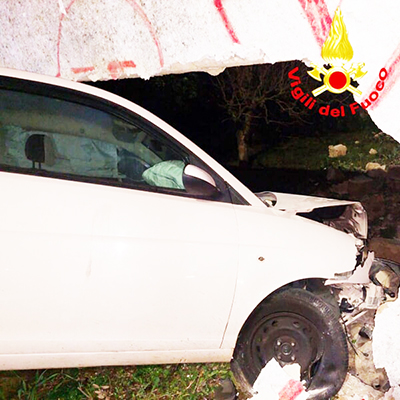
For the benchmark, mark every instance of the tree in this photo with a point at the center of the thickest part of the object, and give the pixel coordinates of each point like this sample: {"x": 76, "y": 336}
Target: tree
{"x": 260, "y": 92}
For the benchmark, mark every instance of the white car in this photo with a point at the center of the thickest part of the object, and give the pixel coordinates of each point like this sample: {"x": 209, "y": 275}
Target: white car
{"x": 124, "y": 243}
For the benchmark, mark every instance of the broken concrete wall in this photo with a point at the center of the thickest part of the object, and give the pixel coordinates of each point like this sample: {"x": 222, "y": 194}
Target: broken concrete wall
{"x": 111, "y": 39}
{"x": 386, "y": 342}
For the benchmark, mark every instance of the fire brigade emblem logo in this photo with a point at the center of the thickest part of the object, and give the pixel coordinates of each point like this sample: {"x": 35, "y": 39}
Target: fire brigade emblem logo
{"x": 337, "y": 52}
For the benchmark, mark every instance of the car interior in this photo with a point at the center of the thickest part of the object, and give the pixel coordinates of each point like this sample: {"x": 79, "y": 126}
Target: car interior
{"x": 55, "y": 136}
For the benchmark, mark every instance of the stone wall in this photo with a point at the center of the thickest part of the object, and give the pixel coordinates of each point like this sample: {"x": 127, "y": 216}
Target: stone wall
{"x": 379, "y": 192}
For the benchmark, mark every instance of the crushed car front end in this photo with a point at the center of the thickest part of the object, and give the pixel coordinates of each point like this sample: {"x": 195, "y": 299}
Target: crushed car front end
{"x": 357, "y": 292}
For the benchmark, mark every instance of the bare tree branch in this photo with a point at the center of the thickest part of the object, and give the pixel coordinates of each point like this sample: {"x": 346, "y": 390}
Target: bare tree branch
{"x": 259, "y": 92}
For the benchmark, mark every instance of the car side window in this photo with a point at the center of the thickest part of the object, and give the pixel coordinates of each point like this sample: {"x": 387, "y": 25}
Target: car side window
{"x": 48, "y": 136}
{"x": 40, "y": 135}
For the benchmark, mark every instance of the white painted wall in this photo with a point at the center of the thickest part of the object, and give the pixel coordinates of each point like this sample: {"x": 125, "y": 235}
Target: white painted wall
{"x": 111, "y": 39}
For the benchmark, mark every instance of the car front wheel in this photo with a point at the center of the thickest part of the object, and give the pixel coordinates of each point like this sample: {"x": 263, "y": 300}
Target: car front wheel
{"x": 295, "y": 327}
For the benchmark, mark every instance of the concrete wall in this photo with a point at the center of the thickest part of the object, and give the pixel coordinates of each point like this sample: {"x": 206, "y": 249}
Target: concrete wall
{"x": 113, "y": 39}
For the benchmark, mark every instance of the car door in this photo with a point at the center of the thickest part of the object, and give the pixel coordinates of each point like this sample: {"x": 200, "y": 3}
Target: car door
{"x": 94, "y": 257}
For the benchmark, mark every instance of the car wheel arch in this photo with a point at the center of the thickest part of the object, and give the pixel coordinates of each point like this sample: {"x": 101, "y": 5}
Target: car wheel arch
{"x": 314, "y": 285}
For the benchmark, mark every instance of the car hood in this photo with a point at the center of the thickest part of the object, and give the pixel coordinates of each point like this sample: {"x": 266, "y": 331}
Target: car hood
{"x": 344, "y": 215}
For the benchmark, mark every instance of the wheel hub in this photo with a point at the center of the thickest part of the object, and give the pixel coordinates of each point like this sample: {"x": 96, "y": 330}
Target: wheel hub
{"x": 289, "y": 338}
{"x": 285, "y": 349}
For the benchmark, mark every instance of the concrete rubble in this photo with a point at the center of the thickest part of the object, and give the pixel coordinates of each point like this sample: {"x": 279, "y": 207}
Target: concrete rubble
{"x": 276, "y": 383}
{"x": 386, "y": 343}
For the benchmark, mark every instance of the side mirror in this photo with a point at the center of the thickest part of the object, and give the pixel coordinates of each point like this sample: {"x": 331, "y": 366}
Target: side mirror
{"x": 199, "y": 182}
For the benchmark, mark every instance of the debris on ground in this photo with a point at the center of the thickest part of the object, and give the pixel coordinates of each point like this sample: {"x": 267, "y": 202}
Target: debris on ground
{"x": 361, "y": 360}
{"x": 275, "y": 383}
{"x": 354, "y": 389}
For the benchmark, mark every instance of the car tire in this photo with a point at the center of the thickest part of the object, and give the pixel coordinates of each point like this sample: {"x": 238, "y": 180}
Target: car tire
{"x": 295, "y": 326}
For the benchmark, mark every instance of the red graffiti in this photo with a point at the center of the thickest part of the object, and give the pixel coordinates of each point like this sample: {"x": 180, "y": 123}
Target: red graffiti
{"x": 228, "y": 25}
{"x": 393, "y": 73}
{"x": 149, "y": 26}
{"x": 318, "y": 17}
{"x": 291, "y": 390}
{"x": 81, "y": 70}
{"x": 116, "y": 67}
{"x": 141, "y": 13}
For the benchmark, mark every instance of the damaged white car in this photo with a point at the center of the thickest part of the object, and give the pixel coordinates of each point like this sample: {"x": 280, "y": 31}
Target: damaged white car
{"x": 124, "y": 243}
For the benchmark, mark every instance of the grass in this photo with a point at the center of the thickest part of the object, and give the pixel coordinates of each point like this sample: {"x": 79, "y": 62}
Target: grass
{"x": 183, "y": 381}
{"x": 312, "y": 152}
